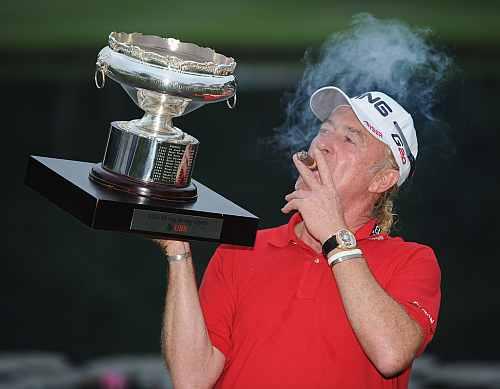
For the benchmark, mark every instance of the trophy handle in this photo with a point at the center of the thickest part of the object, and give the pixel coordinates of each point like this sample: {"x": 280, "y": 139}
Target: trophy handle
{"x": 100, "y": 69}
{"x": 233, "y": 105}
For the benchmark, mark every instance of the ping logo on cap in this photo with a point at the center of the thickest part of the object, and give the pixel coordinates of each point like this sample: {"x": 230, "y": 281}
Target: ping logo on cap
{"x": 380, "y": 105}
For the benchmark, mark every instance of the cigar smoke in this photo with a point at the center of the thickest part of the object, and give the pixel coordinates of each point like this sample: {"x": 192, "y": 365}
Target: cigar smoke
{"x": 373, "y": 54}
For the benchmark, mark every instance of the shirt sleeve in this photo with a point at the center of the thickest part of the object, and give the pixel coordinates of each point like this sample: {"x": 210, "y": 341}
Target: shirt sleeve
{"x": 217, "y": 299}
{"x": 416, "y": 285}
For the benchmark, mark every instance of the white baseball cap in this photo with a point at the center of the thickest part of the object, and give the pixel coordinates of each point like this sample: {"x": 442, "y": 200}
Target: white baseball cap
{"x": 381, "y": 115}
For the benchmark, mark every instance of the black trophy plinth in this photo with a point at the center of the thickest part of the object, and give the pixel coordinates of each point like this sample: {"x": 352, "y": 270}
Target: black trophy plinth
{"x": 210, "y": 218}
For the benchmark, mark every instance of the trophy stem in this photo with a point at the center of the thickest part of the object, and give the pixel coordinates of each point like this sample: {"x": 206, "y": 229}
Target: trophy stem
{"x": 157, "y": 124}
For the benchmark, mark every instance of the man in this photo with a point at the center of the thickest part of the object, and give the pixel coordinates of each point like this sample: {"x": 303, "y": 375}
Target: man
{"x": 329, "y": 300}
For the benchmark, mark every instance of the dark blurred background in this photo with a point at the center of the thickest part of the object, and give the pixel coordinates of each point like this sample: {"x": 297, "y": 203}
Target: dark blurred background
{"x": 86, "y": 305}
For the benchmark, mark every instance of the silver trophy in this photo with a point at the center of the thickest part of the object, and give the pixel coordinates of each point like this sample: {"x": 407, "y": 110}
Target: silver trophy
{"x": 166, "y": 78}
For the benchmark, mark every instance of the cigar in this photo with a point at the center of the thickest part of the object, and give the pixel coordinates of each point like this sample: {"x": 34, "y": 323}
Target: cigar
{"x": 306, "y": 159}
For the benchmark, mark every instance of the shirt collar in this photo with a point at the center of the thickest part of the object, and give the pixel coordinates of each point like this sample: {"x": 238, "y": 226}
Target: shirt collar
{"x": 285, "y": 234}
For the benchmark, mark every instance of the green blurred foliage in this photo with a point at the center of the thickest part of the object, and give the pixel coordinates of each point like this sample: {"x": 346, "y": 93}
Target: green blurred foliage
{"x": 279, "y": 23}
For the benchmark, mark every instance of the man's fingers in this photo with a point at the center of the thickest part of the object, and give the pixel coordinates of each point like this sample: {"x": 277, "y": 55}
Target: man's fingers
{"x": 306, "y": 174}
{"x": 298, "y": 194}
{"x": 291, "y": 205}
{"x": 173, "y": 246}
{"x": 324, "y": 171}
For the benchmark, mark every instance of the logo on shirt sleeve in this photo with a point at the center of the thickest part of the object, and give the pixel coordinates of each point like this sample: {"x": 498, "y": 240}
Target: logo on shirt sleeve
{"x": 426, "y": 313}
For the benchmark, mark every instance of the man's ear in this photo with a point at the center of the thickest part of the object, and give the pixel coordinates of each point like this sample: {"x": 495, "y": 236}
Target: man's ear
{"x": 383, "y": 180}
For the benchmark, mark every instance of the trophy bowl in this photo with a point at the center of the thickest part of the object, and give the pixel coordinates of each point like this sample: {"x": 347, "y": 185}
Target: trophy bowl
{"x": 166, "y": 78}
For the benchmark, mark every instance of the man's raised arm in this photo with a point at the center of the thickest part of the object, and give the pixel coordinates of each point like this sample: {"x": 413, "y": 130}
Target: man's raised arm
{"x": 191, "y": 358}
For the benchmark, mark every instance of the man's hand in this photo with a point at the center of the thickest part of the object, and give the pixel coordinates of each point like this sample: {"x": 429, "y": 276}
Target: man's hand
{"x": 173, "y": 247}
{"x": 320, "y": 206}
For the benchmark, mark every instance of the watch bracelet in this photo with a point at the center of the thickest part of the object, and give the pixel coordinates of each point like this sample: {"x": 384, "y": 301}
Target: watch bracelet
{"x": 329, "y": 245}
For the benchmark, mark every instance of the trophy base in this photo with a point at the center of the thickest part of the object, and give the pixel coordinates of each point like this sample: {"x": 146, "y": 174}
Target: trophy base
{"x": 123, "y": 183}
{"x": 159, "y": 161}
{"x": 210, "y": 218}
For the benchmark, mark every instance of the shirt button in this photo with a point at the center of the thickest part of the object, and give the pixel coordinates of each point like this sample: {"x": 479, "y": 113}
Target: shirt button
{"x": 316, "y": 260}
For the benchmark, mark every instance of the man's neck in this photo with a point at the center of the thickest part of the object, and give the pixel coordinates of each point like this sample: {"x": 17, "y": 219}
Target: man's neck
{"x": 354, "y": 223}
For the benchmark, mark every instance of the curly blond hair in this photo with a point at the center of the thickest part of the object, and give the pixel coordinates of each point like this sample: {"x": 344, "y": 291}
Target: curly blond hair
{"x": 383, "y": 209}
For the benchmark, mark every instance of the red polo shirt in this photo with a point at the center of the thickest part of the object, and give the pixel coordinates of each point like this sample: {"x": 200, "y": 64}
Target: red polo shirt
{"x": 276, "y": 314}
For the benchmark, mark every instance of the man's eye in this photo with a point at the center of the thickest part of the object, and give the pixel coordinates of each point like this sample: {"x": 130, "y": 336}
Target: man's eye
{"x": 349, "y": 139}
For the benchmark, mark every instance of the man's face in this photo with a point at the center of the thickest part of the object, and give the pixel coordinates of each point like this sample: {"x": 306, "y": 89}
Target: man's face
{"x": 350, "y": 151}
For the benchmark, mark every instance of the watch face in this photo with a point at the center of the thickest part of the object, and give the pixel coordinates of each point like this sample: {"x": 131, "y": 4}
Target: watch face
{"x": 346, "y": 239}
